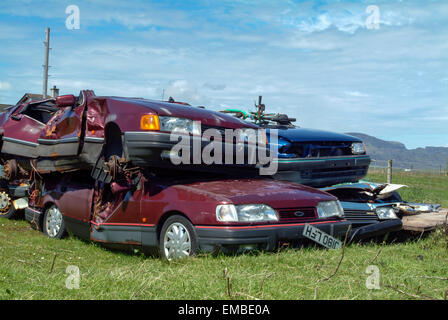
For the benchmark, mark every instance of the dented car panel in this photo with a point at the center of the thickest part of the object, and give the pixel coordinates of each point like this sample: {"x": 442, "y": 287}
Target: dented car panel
{"x": 70, "y": 133}
{"x": 363, "y": 204}
{"x": 361, "y": 200}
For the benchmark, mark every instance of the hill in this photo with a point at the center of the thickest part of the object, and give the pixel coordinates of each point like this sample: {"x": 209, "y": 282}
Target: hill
{"x": 420, "y": 158}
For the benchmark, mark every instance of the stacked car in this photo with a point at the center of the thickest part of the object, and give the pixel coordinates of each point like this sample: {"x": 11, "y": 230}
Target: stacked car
{"x": 172, "y": 179}
{"x": 102, "y": 168}
{"x": 330, "y": 161}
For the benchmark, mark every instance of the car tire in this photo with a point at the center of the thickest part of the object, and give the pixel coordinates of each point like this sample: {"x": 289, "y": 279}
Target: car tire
{"x": 53, "y": 225}
{"x": 7, "y": 209}
{"x": 177, "y": 239}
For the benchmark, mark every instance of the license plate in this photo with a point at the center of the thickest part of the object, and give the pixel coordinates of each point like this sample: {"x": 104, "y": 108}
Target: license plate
{"x": 321, "y": 237}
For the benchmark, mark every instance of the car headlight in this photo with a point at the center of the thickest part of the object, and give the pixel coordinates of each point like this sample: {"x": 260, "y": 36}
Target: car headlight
{"x": 358, "y": 148}
{"x": 384, "y": 213}
{"x": 328, "y": 209}
{"x": 180, "y": 125}
{"x": 245, "y": 213}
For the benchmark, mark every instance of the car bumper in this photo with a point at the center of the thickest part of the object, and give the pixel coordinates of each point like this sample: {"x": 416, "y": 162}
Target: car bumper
{"x": 270, "y": 235}
{"x": 324, "y": 171}
{"x": 375, "y": 229}
{"x": 153, "y": 149}
{"x": 34, "y": 217}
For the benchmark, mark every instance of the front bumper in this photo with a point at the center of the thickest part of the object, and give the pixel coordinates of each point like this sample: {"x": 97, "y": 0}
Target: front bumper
{"x": 152, "y": 148}
{"x": 375, "y": 229}
{"x": 212, "y": 236}
{"x": 320, "y": 172}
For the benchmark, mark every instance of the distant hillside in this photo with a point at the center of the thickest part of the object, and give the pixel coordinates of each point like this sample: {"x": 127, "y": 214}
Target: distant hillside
{"x": 420, "y": 158}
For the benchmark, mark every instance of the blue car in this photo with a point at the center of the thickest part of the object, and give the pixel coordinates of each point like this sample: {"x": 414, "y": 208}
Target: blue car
{"x": 312, "y": 157}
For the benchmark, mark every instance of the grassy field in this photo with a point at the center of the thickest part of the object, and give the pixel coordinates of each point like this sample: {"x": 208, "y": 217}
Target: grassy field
{"x": 34, "y": 267}
{"x": 422, "y": 187}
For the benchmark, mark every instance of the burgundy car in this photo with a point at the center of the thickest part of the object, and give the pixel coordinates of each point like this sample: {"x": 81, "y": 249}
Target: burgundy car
{"x": 70, "y": 133}
{"x": 177, "y": 216}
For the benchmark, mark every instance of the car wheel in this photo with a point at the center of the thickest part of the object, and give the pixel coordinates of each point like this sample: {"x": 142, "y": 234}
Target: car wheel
{"x": 54, "y": 225}
{"x": 178, "y": 239}
{"x": 7, "y": 209}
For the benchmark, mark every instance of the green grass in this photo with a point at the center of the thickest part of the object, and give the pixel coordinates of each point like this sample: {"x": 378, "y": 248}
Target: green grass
{"x": 418, "y": 267}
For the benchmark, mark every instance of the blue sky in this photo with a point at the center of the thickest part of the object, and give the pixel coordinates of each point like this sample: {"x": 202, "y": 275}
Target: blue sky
{"x": 315, "y": 60}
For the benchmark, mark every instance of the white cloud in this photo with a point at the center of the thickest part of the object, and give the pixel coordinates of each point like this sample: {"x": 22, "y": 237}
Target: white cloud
{"x": 182, "y": 90}
{"x": 316, "y": 62}
{"x": 357, "y": 94}
{"x": 5, "y": 85}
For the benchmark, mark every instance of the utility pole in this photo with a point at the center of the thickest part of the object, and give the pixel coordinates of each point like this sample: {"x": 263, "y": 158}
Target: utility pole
{"x": 47, "y": 54}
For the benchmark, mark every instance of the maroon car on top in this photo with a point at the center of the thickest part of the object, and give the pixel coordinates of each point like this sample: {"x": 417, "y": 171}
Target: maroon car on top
{"x": 177, "y": 216}
{"x": 70, "y": 132}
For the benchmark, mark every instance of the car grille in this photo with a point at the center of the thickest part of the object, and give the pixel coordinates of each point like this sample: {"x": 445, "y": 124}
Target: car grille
{"x": 320, "y": 149}
{"x": 289, "y": 215}
{"x": 360, "y": 215}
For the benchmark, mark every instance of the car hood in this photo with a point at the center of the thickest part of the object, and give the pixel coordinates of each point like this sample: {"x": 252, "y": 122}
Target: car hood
{"x": 277, "y": 194}
{"x": 308, "y": 135}
{"x": 207, "y": 117}
{"x": 378, "y": 190}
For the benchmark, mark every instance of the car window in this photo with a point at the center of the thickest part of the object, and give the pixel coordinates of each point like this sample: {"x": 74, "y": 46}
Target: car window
{"x": 42, "y": 112}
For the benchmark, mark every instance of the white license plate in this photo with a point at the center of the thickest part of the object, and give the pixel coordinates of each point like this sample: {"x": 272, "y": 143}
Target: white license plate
{"x": 321, "y": 237}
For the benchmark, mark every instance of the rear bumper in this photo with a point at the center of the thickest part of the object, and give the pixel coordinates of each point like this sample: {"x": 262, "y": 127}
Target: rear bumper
{"x": 210, "y": 236}
{"x": 375, "y": 229}
{"x": 324, "y": 171}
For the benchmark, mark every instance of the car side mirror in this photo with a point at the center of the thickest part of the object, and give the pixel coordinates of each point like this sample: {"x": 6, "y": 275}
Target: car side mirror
{"x": 65, "y": 101}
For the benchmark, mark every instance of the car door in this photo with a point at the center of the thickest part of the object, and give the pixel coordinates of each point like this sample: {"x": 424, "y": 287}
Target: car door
{"x": 75, "y": 195}
{"x": 123, "y": 224}
{"x": 62, "y": 133}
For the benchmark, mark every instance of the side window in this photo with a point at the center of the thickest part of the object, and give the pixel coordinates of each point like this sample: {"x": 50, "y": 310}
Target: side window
{"x": 40, "y": 112}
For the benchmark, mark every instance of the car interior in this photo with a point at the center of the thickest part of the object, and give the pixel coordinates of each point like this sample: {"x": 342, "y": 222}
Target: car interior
{"x": 41, "y": 112}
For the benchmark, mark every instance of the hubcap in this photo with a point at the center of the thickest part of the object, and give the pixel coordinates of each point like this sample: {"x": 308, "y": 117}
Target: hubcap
{"x": 53, "y": 221}
{"x": 5, "y": 202}
{"x": 177, "y": 242}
